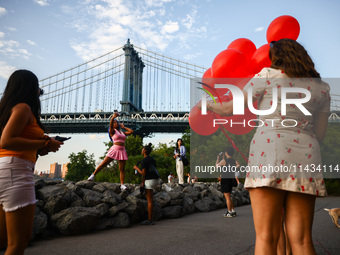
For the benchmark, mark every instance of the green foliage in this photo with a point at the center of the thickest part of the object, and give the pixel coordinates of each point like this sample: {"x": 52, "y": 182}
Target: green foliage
{"x": 80, "y": 167}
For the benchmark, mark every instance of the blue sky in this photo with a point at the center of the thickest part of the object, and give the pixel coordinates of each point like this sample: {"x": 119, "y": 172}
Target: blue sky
{"x": 50, "y": 36}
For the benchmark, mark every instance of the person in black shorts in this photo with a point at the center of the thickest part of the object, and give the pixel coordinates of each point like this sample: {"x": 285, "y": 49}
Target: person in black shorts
{"x": 226, "y": 159}
{"x": 150, "y": 179}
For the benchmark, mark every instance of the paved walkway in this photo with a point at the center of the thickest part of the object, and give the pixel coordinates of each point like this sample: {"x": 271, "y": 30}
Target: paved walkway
{"x": 199, "y": 233}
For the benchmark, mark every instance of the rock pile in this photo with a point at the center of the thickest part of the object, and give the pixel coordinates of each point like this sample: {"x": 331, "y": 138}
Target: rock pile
{"x": 77, "y": 208}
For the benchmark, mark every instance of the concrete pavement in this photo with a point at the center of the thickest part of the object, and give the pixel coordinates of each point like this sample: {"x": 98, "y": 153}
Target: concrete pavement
{"x": 199, "y": 233}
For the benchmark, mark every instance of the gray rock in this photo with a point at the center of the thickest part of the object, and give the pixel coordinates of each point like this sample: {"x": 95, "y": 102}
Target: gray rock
{"x": 85, "y": 184}
{"x": 51, "y": 191}
{"x": 92, "y": 198}
{"x": 75, "y": 220}
{"x": 132, "y": 199}
{"x": 172, "y": 212}
{"x": 213, "y": 190}
{"x": 76, "y": 189}
{"x": 117, "y": 208}
{"x": 200, "y": 186}
{"x": 39, "y": 183}
{"x": 111, "y": 186}
{"x": 176, "y": 194}
{"x": 104, "y": 223}
{"x": 99, "y": 187}
{"x": 206, "y": 205}
{"x": 111, "y": 197}
{"x": 55, "y": 205}
{"x": 135, "y": 211}
{"x": 188, "y": 205}
{"x": 176, "y": 202}
{"x": 157, "y": 211}
{"x": 76, "y": 200}
{"x": 40, "y": 223}
{"x": 163, "y": 198}
{"x": 103, "y": 209}
{"x": 121, "y": 220}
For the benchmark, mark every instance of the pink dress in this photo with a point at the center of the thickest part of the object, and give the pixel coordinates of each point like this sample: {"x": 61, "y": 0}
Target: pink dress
{"x": 116, "y": 151}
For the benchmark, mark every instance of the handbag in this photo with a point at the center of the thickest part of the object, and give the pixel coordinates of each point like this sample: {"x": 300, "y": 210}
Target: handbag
{"x": 185, "y": 161}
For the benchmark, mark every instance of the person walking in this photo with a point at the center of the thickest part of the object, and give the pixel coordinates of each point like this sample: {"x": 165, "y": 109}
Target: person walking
{"x": 117, "y": 151}
{"x": 226, "y": 159}
{"x": 150, "y": 179}
{"x": 21, "y": 138}
{"x": 294, "y": 146}
{"x": 178, "y": 154}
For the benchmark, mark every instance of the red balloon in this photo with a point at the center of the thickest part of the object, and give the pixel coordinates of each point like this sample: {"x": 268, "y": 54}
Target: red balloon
{"x": 209, "y": 84}
{"x": 260, "y": 59}
{"x": 229, "y": 63}
{"x": 201, "y": 124}
{"x": 244, "y": 45}
{"x": 283, "y": 27}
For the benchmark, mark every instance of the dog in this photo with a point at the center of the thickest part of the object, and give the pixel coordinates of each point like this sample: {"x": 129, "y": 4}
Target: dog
{"x": 335, "y": 215}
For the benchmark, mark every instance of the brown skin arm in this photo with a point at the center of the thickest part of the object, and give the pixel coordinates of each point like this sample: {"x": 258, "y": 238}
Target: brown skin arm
{"x": 142, "y": 172}
{"x": 320, "y": 122}
{"x": 22, "y": 116}
{"x": 128, "y": 131}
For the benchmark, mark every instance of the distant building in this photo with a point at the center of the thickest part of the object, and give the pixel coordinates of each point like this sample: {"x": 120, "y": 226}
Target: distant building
{"x": 55, "y": 171}
{"x": 64, "y": 171}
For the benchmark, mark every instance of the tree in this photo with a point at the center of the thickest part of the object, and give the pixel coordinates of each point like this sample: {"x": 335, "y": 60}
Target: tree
{"x": 80, "y": 167}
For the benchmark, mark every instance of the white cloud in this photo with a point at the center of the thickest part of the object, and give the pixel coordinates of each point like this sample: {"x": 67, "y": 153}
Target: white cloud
{"x": 41, "y": 2}
{"x": 258, "y": 29}
{"x": 11, "y": 28}
{"x": 97, "y": 137}
{"x": 2, "y": 11}
{"x": 12, "y": 49}
{"x": 2, "y": 34}
{"x": 6, "y": 70}
{"x": 31, "y": 42}
{"x": 170, "y": 27}
{"x": 106, "y": 24}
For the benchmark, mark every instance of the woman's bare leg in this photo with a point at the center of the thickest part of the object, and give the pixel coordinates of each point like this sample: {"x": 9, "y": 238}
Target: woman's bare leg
{"x": 121, "y": 164}
{"x": 19, "y": 225}
{"x": 149, "y": 197}
{"x": 3, "y": 231}
{"x": 267, "y": 206}
{"x": 299, "y": 221}
{"x": 105, "y": 162}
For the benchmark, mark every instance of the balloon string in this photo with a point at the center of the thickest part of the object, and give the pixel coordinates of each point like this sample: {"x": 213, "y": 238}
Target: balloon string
{"x": 233, "y": 144}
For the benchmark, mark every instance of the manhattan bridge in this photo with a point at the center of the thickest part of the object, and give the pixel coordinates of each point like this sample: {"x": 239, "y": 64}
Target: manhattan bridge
{"x": 150, "y": 91}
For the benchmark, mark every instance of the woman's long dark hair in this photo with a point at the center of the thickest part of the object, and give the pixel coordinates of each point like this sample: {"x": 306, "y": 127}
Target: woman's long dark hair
{"x": 22, "y": 87}
{"x": 291, "y": 57}
{"x": 178, "y": 148}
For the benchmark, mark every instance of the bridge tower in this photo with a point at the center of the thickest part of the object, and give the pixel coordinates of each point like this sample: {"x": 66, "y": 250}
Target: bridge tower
{"x": 133, "y": 79}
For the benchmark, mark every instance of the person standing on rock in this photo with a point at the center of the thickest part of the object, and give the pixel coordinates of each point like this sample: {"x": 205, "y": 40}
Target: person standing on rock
{"x": 21, "y": 138}
{"x": 178, "y": 154}
{"x": 150, "y": 179}
{"x": 226, "y": 159}
{"x": 117, "y": 151}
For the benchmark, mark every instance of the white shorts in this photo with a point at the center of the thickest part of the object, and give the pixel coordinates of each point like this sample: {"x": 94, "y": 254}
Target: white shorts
{"x": 16, "y": 183}
{"x": 151, "y": 184}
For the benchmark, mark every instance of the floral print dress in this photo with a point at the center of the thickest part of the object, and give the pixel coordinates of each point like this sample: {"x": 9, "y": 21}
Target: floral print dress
{"x": 284, "y": 152}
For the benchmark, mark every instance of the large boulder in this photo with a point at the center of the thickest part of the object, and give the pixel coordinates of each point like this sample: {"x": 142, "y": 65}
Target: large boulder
{"x": 92, "y": 198}
{"x": 75, "y": 220}
{"x": 206, "y": 204}
{"x": 163, "y": 198}
{"x": 172, "y": 212}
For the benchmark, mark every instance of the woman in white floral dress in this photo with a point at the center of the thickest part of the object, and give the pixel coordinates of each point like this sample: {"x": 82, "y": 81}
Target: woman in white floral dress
{"x": 284, "y": 152}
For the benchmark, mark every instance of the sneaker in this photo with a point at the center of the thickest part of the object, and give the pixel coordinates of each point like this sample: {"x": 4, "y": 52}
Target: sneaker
{"x": 234, "y": 214}
{"x": 147, "y": 222}
{"x": 91, "y": 178}
{"x": 123, "y": 187}
{"x": 228, "y": 215}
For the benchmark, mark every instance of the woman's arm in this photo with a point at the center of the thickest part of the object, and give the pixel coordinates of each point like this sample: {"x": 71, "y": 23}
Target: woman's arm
{"x": 226, "y": 109}
{"x": 320, "y": 122}
{"x": 182, "y": 151}
{"x": 129, "y": 130}
{"x": 10, "y": 140}
{"x": 111, "y": 123}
